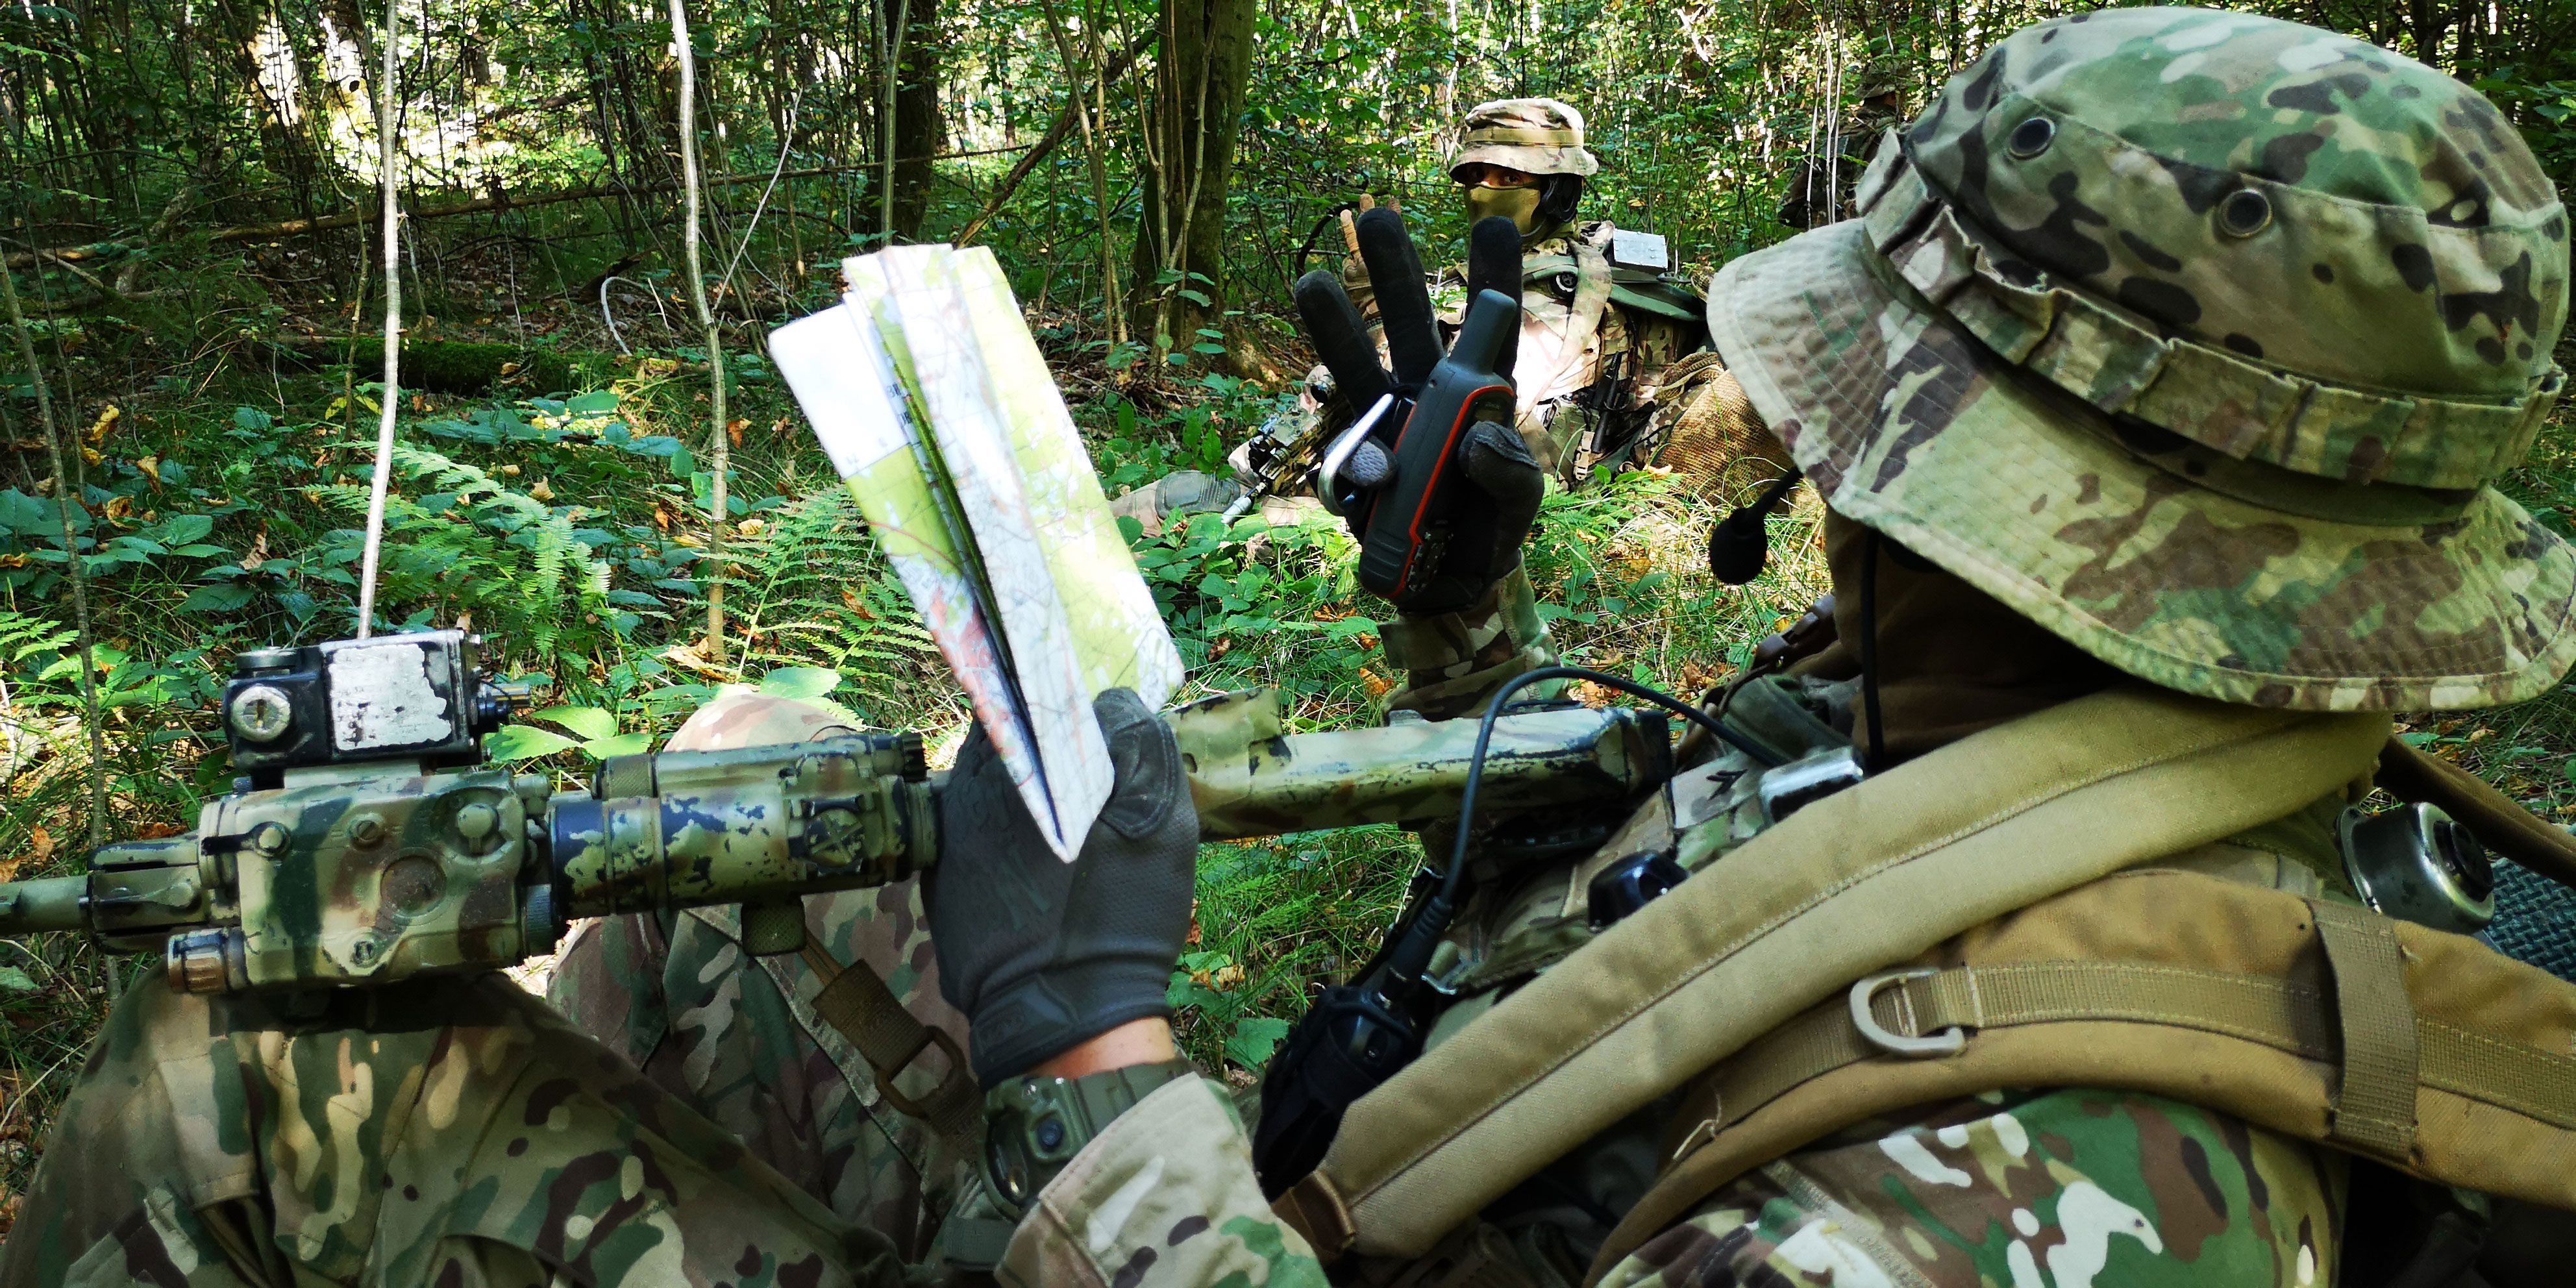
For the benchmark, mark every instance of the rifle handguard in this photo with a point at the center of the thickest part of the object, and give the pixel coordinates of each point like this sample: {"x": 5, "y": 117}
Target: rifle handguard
{"x": 372, "y": 880}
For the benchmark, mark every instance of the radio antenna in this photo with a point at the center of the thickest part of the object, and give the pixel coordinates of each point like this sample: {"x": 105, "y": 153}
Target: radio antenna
{"x": 388, "y": 127}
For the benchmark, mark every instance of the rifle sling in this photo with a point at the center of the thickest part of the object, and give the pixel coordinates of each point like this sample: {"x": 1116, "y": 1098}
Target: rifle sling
{"x": 855, "y": 1001}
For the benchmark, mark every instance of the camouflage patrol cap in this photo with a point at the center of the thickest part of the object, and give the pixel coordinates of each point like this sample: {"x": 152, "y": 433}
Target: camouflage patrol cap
{"x": 1532, "y": 135}
{"x": 2197, "y": 338}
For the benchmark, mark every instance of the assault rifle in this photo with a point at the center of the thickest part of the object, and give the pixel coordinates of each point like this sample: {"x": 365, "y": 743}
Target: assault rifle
{"x": 369, "y": 842}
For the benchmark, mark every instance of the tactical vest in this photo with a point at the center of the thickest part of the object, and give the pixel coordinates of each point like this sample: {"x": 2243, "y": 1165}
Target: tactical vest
{"x": 1971, "y": 920}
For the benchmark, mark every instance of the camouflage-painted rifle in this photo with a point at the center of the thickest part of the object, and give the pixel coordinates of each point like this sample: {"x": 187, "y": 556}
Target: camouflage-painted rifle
{"x": 369, "y": 843}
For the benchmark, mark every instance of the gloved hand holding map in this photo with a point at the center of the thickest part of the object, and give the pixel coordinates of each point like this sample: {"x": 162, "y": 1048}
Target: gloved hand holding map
{"x": 935, "y": 405}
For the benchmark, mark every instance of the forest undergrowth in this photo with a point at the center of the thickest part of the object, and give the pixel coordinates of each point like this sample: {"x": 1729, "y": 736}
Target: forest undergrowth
{"x": 553, "y": 485}
{"x": 224, "y": 498}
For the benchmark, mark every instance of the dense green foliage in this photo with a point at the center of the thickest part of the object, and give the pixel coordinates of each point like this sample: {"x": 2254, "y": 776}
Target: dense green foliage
{"x": 185, "y": 197}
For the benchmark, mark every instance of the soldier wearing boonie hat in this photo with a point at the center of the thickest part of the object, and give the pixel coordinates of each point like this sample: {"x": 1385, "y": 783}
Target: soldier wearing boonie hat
{"x": 2219, "y": 396}
{"x": 2168, "y": 370}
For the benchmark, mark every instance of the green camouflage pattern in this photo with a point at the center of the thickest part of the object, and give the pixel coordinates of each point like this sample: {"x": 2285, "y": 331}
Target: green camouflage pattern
{"x": 686, "y": 828}
{"x": 346, "y": 883}
{"x": 1248, "y": 779}
{"x": 736, "y": 1037}
{"x": 1531, "y": 135}
{"x": 1452, "y": 660}
{"x": 427, "y": 1132}
{"x": 1164, "y": 1196}
{"x": 2232, "y": 444}
{"x": 2072, "y": 1188}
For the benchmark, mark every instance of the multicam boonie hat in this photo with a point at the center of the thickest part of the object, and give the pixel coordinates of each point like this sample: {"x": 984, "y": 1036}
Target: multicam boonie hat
{"x": 1532, "y": 135}
{"x": 2197, "y": 338}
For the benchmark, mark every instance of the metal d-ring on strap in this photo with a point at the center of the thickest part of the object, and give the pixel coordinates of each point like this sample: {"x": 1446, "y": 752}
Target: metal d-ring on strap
{"x": 855, "y": 1001}
{"x": 1949, "y": 1041}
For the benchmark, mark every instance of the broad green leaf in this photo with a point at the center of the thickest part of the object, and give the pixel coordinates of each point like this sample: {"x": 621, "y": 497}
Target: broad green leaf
{"x": 525, "y": 742}
{"x": 624, "y": 744}
{"x": 592, "y": 403}
{"x": 1255, "y": 1038}
{"x": 15, "y": 980}
{"x": 800, "y": 682}
{"x": 589, "y": 722}
{"x": 221, "y": 598}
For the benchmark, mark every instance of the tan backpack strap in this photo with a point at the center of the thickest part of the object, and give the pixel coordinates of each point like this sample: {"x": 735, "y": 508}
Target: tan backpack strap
{"x": 2425, "y": 1049}
{"x": 857, "y": 1004}
{"x": 1852, "y": 884}
{"x": 2374, "y": 1107}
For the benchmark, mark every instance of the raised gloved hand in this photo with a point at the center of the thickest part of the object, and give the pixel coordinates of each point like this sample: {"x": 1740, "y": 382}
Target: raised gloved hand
{"x": 1041, "y": 954}
{"x": 1435, "y": 483}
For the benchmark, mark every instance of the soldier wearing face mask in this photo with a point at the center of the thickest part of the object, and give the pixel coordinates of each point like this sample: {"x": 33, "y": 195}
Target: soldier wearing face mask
{"x": 1602, "y": 331}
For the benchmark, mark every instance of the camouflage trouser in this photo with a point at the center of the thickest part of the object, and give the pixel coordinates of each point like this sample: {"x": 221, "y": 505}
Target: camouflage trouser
{"x": 443, "y": 1131}
{"x": 2101, "y": 1189}
{"x": 737, "y": 1039}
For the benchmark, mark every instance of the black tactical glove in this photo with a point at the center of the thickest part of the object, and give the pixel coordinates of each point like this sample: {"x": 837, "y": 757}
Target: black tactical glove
{"x": 1474, "y": 533}
{"x": 1499, "y": 463}
{"x": 1042, "y": 954}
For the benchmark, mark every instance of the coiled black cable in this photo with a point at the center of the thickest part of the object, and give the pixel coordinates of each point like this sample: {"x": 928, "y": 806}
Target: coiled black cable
{"x": 1494, "y": 710}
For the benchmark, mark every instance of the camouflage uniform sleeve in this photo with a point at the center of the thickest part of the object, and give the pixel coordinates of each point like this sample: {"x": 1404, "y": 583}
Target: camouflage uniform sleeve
{"x": 1166, "y": 1196}
{"x": 1453, "y": 661}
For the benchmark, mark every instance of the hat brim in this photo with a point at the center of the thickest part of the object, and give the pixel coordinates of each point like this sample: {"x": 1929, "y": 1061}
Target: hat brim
{"x": 1527, "y": 158}
{"x": 1909, "y": 425}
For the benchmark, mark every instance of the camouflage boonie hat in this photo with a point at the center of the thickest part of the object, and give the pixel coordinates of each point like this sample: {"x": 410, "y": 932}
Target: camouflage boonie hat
{"x": 1532, "y": 135}
{"x": 2197, "y": 338}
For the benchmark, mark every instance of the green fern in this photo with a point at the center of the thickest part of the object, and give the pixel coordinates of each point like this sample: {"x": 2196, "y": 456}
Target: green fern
{"x": 813, "y": 588}
{"x": 513, "y": 562}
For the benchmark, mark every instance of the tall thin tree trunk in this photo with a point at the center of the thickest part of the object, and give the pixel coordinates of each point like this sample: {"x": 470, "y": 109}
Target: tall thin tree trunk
{"x": 388, "y": 161}
{"x": 63, "y": 487}
{"x": 1204, "y": 67}
{"x": 920, "y": 131}
{"x": 1090, "y": 94}
{"x": 721, "y": 450}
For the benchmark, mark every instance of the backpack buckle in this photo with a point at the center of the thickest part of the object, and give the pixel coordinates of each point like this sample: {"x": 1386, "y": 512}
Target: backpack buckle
{"x": 1949, "y": 1041}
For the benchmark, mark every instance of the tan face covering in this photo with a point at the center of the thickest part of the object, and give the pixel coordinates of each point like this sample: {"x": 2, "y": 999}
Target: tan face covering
{"x": 1951, "y": 659}
{"x": 1520, "y": 205}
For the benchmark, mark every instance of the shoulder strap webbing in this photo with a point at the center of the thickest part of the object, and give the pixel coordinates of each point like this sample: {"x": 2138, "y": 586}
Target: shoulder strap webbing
{"x": 857, "y": 1004}
{"x": 1862, "y": 879}
{"x": 2318, "y": 1020}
